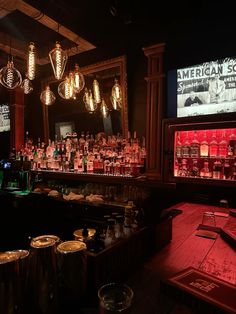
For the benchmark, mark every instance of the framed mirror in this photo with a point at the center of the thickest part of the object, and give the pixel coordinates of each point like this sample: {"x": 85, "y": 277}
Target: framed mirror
{"x": 72, "y": 113}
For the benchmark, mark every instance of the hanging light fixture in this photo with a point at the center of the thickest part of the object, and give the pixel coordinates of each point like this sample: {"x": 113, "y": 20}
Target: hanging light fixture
{"x": 58, "y": 59}
{"x": 78, "y": 79}
{"x": 116, "y": 91}
{"x": 116, "y": 96}
{"x": 66, "y": 88}
{"x": 96, "y": 91}
{"x": 10, "y": 77}
{"x": 115, "y": 103}
{"x": 31, "y": 61}
{"x": 47, "y": 97}
{"x": 104, "y": 109}
{"x": 90, "y": 103}
{"x": 27, "y": 86}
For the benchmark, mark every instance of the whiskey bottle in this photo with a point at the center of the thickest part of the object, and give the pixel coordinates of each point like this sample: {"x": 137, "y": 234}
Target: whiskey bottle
{"x": 226, "y": 170}
{"x": 213, "y": 147}
{"x": 183, "y": 171}
{"x": 195, "y": 146}
{"x": 223, "y": 147}
{"x": 232, "y": 144}
{"x": 204, "y": 146}
{"x": 186, "y": 147}
{"x": 205, "y": 171}
{"x": 194, "y": 172}
{"x": 178, "y": 147}
{"x": 217, "y": 170}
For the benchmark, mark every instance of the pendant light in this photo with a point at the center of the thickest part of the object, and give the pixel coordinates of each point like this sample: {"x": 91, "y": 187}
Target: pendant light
{"x": 116, "y": 91}
{"x": 66, "y": 88}
{"x": 47, "y": 97}
{"x": 96, "y": 92}
{"x": 104, "y": 109}
{"x": 58, "y": 59}
{"x": 90, "y": 103}
{"x": 31, "y": 61}
{"x": 115, "y": 103}
{"x": 10, "y": 77}
{"x": 27, "y": 86}
{"x": 78, "y": 79}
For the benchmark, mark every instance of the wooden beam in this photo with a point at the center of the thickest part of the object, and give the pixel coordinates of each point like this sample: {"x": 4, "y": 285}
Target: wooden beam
{"x": 19, "y": 48}
{"x": 52, "y": 24}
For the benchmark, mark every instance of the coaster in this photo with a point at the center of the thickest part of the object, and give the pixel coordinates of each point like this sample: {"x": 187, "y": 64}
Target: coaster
{"x": 206, "y": 234}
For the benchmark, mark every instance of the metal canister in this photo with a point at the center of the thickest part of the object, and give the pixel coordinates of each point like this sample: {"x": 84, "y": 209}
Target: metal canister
{"x": 72, "y": 268}
{"x": 78, "y": 234}
{"x": 23, "y": 305}
{"x": 43, "y": 274}
{"x": 9, "y": 278}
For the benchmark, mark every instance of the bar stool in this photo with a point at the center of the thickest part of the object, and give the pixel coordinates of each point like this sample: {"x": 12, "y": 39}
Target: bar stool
{"x": 72, "y": 269}
{"x": 9, "y": 278}
{"x": 43, "y": 274}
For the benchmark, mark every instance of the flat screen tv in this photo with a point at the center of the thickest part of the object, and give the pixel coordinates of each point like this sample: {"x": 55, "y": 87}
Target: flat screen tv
{"x": 4, "y": 117}
{"x": 206, "y": 88}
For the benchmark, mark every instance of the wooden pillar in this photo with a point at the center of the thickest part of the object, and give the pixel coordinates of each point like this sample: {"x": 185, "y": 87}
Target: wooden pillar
{"x": 17, "y": 118}
{"x": 155, "y": 109}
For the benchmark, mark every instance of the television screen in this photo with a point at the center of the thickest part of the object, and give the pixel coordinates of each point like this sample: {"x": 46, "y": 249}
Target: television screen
{"x": 207, "y": 88}
{"x": 4, "y": 117}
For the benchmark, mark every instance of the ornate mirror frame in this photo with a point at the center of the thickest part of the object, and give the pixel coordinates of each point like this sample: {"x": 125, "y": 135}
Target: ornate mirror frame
{"x": 91, "y": 69}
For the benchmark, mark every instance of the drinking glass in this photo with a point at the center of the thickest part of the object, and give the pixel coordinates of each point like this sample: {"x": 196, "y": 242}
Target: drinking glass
{"x": 115, "y": 298}
{"x": 208, "y": 219}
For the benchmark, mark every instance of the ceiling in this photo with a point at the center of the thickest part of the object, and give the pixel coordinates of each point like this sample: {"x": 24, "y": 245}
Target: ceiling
{"x": 82, "y": 26}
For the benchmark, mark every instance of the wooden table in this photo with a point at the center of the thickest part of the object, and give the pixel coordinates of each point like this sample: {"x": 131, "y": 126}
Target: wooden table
{"x": 216, "y": 257}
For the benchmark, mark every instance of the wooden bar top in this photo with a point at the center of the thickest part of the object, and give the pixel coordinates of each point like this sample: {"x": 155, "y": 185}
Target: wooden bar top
{"x": 213, "y": 256}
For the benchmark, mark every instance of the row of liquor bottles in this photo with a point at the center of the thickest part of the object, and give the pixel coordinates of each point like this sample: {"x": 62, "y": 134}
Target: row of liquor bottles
{"x": 101, "y": 154}
{"x": 221, "y": 169}
{"x": 206, "y": 143}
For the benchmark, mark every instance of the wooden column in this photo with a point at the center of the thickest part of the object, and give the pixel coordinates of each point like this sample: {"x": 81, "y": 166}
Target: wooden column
{"x": 155, "y": 109}
{"x": 17, "y": 118}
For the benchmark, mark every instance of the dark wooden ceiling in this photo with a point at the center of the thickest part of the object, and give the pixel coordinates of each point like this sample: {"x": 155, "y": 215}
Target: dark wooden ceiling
{"x": 95, "y": 24}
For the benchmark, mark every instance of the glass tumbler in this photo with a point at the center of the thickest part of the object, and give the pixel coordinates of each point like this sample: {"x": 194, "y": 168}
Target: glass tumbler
{"x": 115, "y": 298}
{"x": 208, "y": 219}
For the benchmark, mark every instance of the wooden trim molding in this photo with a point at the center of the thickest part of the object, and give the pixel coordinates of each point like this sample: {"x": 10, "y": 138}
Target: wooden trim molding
{"x": 17, "y": 119}
{"x": 155, "y": 109}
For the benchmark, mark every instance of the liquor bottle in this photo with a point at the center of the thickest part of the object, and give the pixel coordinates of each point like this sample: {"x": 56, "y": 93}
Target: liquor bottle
{"x": 205, "y": 171}
{"x": 204, "y": 146}
{"x": 194, "y": 172}
{"x": 195, "y": 146}
{"x": 232, "y": 144}
{"x": 234, "y": 170}
{"x": 186, "y": 147}
{"x": 223, "y": 147}
{"x": 213, "y": 147}
{"x": 217, "y": 170}
{"x": 183, "y": 170}
{"x": 226, "y": 170}
{"x": 178, "y": 147}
